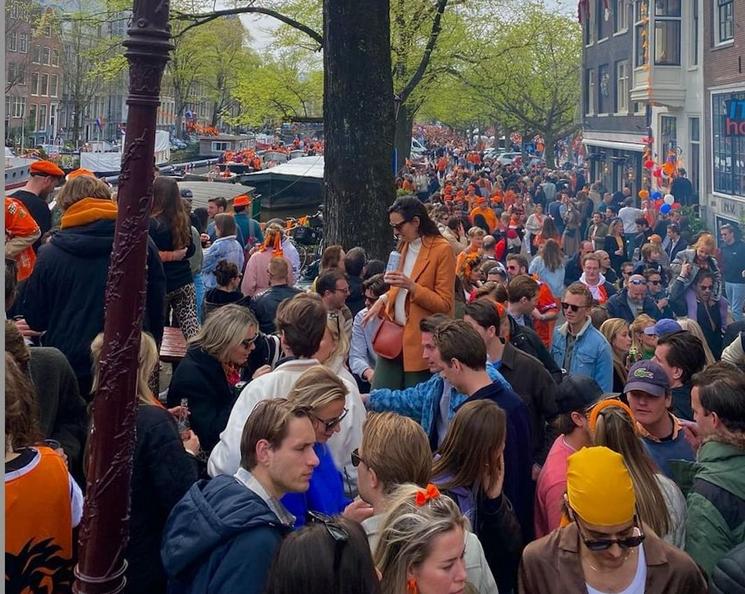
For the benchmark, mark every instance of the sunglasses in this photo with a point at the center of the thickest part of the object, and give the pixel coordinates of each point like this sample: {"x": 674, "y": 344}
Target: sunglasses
{"x": 336, "y": 531}
{"x": 706, "y": 287}
{"x": 247, "y": 342}
{"x": 572, "y": 307}
{"x": 637, "y": 282}
{"x": 603, "y": 544}
{"x": 397, "y": 226}
{"x": 331, "y": 424}
{"x": 356, "y": 458}
{"x": 653, "y": 282}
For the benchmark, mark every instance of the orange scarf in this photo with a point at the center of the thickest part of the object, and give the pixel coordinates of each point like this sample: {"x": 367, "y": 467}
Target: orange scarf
{"x": 274, "y": 241}
{"x": 88, "y": 210}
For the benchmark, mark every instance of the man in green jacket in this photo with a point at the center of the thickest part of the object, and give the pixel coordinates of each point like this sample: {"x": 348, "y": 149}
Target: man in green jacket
{"x": 716, "y": 495}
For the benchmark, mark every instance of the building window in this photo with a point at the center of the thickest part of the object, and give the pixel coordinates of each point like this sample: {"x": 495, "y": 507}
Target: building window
{"x": 36, "y": 58}
{"x": 14, "y": 10}
{"x": 44, "y": 85}
{"x": 694, "y": 161}
{"x": 667, "y": 32}
{"x": 728, "y": 151}
{"x": 46, "y": 56}
{"x": 725, "y": 21}
{"x": 694, "y": 33}
{"x": 219, "y": 146}
{"x": 621, "y": 16}
{"x": 55, "y": 57}
{"x": 641, "y": 32}
{"x": 602, "y": 20}
{"x": 52, "y": 117}
{"x": 604, "y": 103}
{"x": 32, "y": 117}
{"x": 23, "y": 43}
{"x": 53, "y": 82}
{"x": 34, "y": 83}
{"x": 590, "y": 92}
{"x": 668, "y": 134}
{"x": 19, "y": 107}
{"x": 622, "y": 86}
{"x": 12, "y": 41}
{"x": 42, "y": 125}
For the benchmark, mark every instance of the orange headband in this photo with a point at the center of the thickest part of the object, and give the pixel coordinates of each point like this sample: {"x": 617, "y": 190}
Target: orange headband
{"x": 603, "y": 404}
{"x": 422, "y": 496}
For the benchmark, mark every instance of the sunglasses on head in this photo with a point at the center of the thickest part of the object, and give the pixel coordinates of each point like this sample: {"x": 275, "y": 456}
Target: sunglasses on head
{"x": 336, "y": 531}
{"x": 637, "y": 282}
{"x": 331, "y": 424}
{"x": 572, "y": 307}
{"x": 603, "y": 544}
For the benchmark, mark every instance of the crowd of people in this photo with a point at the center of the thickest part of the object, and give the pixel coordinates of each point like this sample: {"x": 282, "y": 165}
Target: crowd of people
{"x": 543, "y": 390}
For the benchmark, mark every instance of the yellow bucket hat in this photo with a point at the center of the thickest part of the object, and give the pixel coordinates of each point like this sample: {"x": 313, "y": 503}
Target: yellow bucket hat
{"x": 599, "y": 487}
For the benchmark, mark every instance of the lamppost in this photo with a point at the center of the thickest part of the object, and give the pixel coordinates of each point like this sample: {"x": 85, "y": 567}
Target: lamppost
{"x": 104, "y": 531}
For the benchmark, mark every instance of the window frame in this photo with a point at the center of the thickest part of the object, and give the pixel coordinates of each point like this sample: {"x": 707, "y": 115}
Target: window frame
{"x": 36, "y": 54}
{"x": 46, "y": 56}
{"x": 727, "y": 152}
{"x": 23, "y": 43}
{"x": 717, "y": 22}
{"x": 44, "y": 84}
{"x": 621, "y": 25}
{"x": 694, "y": 150}
{"x": 622, "y": 87}
{"x": 53, "y": 89}
{"x": 41, "y": 126}
{"x": 641, "y": 12}
{"x": 224, "y": 145}
{"x": 13, "y": 41}
{"x": 33, "y": 108}
{"x": 35, "y": 85}
{"x": 671, "y": 22}
{"x": 603, "y": 104}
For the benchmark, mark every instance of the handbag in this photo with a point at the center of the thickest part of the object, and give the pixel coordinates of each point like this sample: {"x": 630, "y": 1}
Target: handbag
{"x": 388, "y": 341}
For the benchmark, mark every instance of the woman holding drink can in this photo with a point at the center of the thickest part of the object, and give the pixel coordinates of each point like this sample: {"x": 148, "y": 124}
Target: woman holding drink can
{"x": 421, "y": 274}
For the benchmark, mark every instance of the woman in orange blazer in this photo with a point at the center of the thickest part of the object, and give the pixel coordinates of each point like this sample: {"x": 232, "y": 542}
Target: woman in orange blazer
{"x": 424, "y": 284}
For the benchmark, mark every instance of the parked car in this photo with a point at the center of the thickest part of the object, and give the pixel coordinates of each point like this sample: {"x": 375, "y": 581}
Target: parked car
{"x": 507, "y": 158}
{"x": 417, "y": 148}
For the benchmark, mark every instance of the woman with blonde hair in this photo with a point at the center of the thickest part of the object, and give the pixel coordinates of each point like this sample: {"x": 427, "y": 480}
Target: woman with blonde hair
{"x": 469, "y": 467}
{"x": 642, "y": 343}
{"x": 659, "y": 502}
{"x": 210, "y": 369}
{"x": 256, "y": 275}
{"x": 164, "y": 468}
{"x": 422, "y": 544}
{"x": 694, "y": 328}
{"x": 616, "y": 332}
{"x": 688, "y": 263}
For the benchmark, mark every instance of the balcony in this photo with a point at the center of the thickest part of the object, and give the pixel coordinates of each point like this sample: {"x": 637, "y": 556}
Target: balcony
{"x": 668, "y": 86}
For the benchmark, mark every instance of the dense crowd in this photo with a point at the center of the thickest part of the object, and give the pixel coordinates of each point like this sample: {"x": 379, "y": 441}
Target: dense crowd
{"x": 542, "y": 390}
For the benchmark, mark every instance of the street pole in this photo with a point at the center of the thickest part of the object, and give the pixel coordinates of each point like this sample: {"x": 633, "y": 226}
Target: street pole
{"x": 104, "y": 532}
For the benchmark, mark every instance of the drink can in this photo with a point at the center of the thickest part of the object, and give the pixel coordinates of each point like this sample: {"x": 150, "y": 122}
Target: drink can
{"x": 394, "y": 259}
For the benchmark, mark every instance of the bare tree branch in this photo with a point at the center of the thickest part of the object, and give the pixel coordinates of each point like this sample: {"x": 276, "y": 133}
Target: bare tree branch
{"x": 201, "y": 19}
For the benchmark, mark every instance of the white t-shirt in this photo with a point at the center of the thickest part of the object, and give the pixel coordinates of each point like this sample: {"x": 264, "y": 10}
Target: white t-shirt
{"x": 411, "y": 255}
{"x": 637, "y": 584}
{"x": 628, "y": 216}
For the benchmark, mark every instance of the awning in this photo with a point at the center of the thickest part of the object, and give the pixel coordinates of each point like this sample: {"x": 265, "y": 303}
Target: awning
{"x": 612, "y": 144}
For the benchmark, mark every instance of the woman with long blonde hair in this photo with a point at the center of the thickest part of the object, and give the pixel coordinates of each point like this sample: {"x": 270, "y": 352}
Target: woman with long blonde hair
{"x": 164, "y": 468}
{"x": 659, "y": 502}
{"x": 616, "y": 332}
{"x": 642, "y": 344}
{"x": 422, "y": 543}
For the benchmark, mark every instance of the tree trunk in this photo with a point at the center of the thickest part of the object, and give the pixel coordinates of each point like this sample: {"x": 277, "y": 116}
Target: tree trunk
{"x": 104, "y": 532}
{"x": 179, "y": 125}
{"x": 358, "y": 124}
{"x": 548, "y": 150}
{"x": 403, "y": 126}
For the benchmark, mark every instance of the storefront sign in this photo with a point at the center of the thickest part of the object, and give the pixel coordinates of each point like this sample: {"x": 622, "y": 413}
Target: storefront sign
{"x": 734, "y": 119}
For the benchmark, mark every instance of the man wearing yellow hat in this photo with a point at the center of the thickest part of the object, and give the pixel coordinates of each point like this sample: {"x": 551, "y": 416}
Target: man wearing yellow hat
{"x": 45, "y": 177}
{"x": 603, "y": 547}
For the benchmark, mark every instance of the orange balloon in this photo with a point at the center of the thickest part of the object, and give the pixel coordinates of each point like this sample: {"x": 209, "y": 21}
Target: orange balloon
{"x": 668, "y": 169}
{"x": 643, "y": 194}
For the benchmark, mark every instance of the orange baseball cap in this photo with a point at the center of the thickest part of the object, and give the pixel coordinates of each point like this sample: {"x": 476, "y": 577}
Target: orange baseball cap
{"x": 242, "y": 200}
{"x": 46, "y": 168}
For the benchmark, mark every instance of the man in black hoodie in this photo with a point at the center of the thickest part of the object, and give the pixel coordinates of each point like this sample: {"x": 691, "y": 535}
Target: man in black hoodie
{"x": 64, "y": 297}
{"x": 222, "y": 536}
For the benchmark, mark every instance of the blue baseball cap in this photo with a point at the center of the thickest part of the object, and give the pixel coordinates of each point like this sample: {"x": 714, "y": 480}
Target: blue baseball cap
{"x": 664, "y": 326}
{"x": 649, "y": 377}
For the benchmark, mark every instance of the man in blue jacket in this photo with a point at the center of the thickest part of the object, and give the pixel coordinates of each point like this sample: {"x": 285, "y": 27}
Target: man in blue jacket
{"x": 222, "y": 536}
{"x": 577, "y": 347}
{"x": 633, "y": 300}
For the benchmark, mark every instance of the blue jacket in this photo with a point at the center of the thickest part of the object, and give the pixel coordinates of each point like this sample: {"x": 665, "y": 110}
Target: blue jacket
{"x": 421, "y": 402}
{"x": 220, "y": 539}
{"x": 592, "y": 354}
{"x": 224, "y": 248}
{"x": 325, "y": 493}
{"x": 618, "y": 307}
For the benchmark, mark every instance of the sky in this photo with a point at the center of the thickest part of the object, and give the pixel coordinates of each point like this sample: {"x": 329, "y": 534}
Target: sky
{"x": 261, "y": 27}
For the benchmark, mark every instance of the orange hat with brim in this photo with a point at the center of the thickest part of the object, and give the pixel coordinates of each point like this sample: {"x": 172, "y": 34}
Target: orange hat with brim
{"x": 46, "y": 168}
{"x": 242, "y": 200}
{"x": 78, "y": 172}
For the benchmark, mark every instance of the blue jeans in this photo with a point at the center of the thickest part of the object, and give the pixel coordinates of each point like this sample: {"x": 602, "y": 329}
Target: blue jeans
{"x": 199, "y": 288}
{"x": 736, "y": 297}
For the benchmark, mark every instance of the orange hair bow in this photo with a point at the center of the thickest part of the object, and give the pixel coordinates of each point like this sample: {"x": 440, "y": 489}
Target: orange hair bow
{"x": 424, "y": 495}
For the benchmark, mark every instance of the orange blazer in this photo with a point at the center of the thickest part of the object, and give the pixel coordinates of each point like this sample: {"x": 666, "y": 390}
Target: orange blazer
{"x": 434, "y": 275}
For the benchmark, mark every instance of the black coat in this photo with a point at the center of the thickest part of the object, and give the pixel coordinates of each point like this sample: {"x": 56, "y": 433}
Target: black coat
{"x": 572, "y": 270}
{"x": 728, "y": 576}
{"x": 266, "y": 303}
{"x": 38, "y": 209}
{"x": 65, "y": 294}
{"x": 356, "y": 298}
{"x": 178, "y": 272}
{"x": 201, "y": 379}
{"x": 528, "y": 341}
{"x": 611, "y": 246}
{"x": 162, "y": 473}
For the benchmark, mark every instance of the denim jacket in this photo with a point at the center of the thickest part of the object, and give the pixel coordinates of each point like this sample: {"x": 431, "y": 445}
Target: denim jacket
{"x": 224, "y": 248}
{"x": 592, "y": 354}
{"x": 420, "y": 402}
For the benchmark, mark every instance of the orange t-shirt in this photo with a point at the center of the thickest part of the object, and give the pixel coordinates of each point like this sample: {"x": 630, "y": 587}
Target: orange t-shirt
{"x": 20, "y": 223}
{"x": 38, "y": 524}
{"x": 546, "y": 302}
